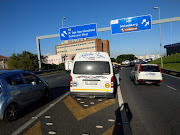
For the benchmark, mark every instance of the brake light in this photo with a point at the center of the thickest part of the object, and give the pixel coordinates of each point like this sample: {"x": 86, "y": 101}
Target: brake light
{"x": 112, "y": 82}
{"x": 160, "y": 69}
{"x": 140, "y": 69}
{"x": 160, "y": 80}
{"x": 70, "y": 81}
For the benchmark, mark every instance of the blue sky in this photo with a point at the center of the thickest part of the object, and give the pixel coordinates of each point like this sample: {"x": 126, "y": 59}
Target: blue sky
{"x": 22, "y": 20}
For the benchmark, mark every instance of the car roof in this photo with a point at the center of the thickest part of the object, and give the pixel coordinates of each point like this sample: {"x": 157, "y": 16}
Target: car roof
{"x": 10, "y": 71}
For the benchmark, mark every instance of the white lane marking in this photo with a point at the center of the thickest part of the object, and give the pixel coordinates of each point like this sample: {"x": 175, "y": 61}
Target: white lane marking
{"x": 78, "y": 99}
{"x": 120, "y": 99}
{"x": 100, "y": 100}
{"x": 111, "y": 120}
{"x": 85, "y": 134}
{"x": 49, "y": 124}
{"x": 47, "y": 117}
{"x": 92, "y": 103}
{"x": 34, "y": 117}
{"x": 98, "y": 126}
{"x": 82, "y": 102}
{"x": 86, "y": 105}
{"x": 20, "y": 129}
{"x": 51, "y": 132}
{"x": 171, "y": 76}
{"x": 171, "y": 87}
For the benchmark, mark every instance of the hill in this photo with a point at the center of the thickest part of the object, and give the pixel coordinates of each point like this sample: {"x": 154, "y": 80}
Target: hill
{"x": 169, "y": 62}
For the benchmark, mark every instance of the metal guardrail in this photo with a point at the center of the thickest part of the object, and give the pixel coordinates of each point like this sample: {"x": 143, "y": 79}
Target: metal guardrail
{"x": 170, "y": 71}
{"x": 46, "y": 71}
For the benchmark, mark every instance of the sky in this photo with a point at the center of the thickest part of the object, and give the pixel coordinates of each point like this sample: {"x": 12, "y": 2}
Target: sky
{"x": 22, "y": 20}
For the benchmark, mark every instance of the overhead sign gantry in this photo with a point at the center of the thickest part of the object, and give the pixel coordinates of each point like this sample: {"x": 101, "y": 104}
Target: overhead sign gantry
{"x": 131, "y": 24}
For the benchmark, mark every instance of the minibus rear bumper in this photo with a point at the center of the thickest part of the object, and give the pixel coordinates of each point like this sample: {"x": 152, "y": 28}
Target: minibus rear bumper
{"x": 92, "y": 94}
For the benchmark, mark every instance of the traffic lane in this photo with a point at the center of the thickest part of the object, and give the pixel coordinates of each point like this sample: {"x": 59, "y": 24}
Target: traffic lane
{"x": 97, "y": 118}
{"x": 171, "y": 82}
{"x": 155, "y": 109}
{"x": 57, "y": 87}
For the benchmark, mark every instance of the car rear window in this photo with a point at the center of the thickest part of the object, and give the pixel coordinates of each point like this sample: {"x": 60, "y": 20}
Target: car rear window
{"x": 92, "y": 67}
{"x": 150, "y": 68}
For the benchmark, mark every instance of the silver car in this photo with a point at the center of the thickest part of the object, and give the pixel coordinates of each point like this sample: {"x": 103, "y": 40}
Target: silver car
{"x": 18, "y": 89}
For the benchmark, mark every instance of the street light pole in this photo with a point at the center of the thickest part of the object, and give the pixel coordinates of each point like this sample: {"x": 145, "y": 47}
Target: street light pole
{"x": 64, "y": 43}
{"x": 160, "y": 36}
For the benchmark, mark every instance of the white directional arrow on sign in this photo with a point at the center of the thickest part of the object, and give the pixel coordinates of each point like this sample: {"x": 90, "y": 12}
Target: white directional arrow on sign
{"x": 147, "y": 23}
{"x": 144, "y": 20}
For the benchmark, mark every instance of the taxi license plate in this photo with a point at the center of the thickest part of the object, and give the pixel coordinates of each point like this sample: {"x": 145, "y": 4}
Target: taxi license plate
{"x": 91, "y": 82}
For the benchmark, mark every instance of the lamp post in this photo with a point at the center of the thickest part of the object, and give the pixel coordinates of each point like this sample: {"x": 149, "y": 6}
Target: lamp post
{"x": 64, "y": 43}
{"x": 160, "y": 36}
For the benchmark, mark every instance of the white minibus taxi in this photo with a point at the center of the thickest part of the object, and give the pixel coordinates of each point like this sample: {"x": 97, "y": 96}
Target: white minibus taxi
{"x": 92, "y": 75}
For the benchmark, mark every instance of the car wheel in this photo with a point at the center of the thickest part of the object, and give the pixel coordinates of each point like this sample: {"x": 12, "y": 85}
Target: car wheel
{"x": 12, "y": 112}
{"x": 135, "y": 81}
{"x": 157, "y": 84}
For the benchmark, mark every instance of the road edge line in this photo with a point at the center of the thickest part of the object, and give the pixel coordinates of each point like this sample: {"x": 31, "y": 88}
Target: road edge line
{"x": 125, "y": 122}
{"x": 20, "y": 129}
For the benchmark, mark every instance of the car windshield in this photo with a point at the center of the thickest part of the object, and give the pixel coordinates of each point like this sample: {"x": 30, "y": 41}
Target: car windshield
{"x": 150, "y": 68}
{"x": 92, "y": 67}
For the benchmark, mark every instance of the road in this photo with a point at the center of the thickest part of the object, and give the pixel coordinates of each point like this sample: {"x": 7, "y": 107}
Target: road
{"x": 151, "y": 110}
{"x": 155, "y": 109}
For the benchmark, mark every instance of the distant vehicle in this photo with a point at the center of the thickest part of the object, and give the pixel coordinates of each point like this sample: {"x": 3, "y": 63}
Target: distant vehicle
{"x": 146, "y": 73}
{"x": 92, "y": 75}
{"x": 68, "y": 65}
{"x": 132, "y": 63}
{"x": 126, "y": 62}
{"x": 18, "y": 89}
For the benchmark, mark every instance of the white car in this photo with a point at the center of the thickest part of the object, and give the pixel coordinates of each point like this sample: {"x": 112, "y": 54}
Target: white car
{"x": 126, "y": 62}
{"x": 146, "y": 73}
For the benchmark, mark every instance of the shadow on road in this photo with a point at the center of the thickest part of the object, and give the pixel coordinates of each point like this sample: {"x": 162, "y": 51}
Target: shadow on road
{"x": 123, "y": 119}
{"x": 54, "y": 93}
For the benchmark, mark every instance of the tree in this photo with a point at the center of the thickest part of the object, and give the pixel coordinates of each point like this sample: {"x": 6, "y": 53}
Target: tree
{"x": 123, "y": 57}
{"x": 25, "y": 60}
{"x": 113, "y": 60}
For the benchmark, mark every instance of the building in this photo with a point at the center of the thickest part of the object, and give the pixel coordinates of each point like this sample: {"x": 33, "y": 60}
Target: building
{"x": 172, "y": 49}
{"x": 83, "y": 45}
{"x": 3, "y": 60}
{"x": 57, "y": 59}
{"x": 154, "y": 57}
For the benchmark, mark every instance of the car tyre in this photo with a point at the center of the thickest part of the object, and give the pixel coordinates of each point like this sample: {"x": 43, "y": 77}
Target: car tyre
{"x": 157, "y": 84}
{"x": 12, "y": 112}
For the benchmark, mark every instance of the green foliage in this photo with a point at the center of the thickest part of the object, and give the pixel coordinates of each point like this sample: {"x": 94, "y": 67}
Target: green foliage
{"x": 25, "y": 60}
{"x": 113, "y": 60}
{"x": 123, "y": 57}
{"x": 61, "y": 65}
{"x": 171, "y": 62}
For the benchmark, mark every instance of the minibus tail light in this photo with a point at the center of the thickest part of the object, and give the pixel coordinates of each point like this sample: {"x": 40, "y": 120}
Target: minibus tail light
{"x": 112, "y": 82}
{"x": 70, "y": 81}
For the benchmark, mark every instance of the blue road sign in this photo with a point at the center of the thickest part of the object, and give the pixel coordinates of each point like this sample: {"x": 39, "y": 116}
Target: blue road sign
{"x": 75, "y": 32}
{"x": 131, "y": 24}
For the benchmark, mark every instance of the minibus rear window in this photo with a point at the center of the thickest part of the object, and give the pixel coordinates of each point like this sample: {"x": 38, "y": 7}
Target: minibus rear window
{"x": 91, "y": 67}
